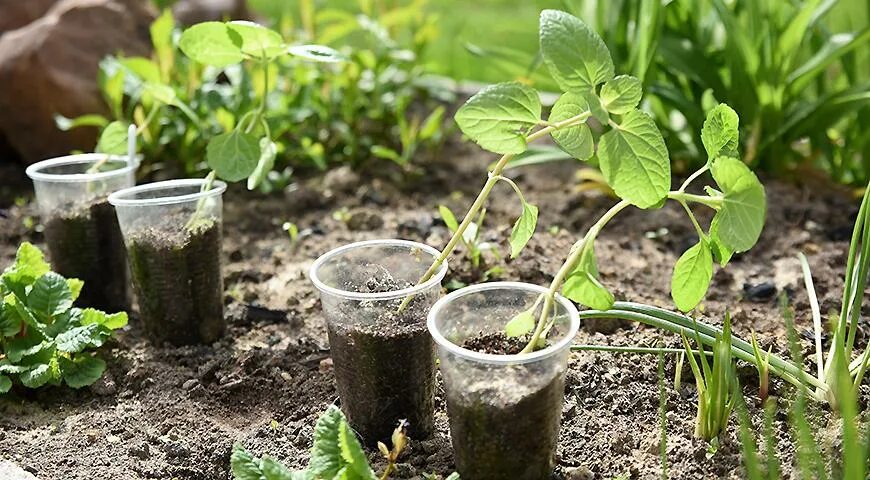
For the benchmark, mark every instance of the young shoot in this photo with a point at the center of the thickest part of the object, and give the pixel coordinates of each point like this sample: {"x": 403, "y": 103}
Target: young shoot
{"x": 715, "y": 382}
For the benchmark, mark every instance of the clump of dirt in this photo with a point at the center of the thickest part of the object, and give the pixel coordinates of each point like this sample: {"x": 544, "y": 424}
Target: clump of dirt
{"x": 85, "y": 242}
{"x": 177, "y": 277}
{"x": 495, "y": 343}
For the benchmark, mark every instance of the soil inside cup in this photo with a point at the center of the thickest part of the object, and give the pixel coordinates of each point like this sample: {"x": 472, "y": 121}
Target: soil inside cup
{"x": 501, "y": 429}
{"x": 385, "y": 368}
{"x": 85, "y": 242}
{"x": 177, "y": 278}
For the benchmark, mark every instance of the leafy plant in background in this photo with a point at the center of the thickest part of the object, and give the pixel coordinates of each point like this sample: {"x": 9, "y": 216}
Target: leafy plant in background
{"x": 44, "y": 340}
{"x": 371, "y": 104}
{"x": 335, "y": 455}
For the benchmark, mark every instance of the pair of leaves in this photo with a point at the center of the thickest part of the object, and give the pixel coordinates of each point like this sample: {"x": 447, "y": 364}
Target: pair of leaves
{"x": 583, "y": 286}
{"x": 336, "y": 455}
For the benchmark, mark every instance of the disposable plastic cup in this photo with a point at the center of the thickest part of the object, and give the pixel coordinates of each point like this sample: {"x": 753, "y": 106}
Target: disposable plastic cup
{"x": 384, "y": 358}
{"x": 172, "y": 231}
{"x": 504, "y": 410}
{"x": 81, "y": 230}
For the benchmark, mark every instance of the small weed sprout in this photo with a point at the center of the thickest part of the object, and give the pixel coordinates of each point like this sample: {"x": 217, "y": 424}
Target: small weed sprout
{"x": 715, "y": 382}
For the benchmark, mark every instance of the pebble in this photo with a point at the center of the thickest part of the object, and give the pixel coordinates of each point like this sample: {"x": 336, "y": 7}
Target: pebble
{"x": 176, "y": 450}
{"x": 104, "y": 386}
{"x": 141, "y": 451}
{"x": 188, "y": 385}
{"x": 759, "y": 292}
{"x": 326, "y": 365}
{"x": 580, "y": 473}
{"x": 364, "y": 220}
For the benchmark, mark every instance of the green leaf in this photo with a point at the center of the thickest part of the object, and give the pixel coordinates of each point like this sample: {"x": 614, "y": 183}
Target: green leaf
{"x": 212, "y": 43}
{"x": 10, "y": 324}
{"x": 720, "y": 132}
{"x": 159, "y": 93}
{"x": 326, "y": 460}
{"x": 233, "y": 156}
{"x": 89, "y": 120}
{"x": 75, "y": 287}
{"x": 621, "y": 94}
{"x": 523, "y": 229}
{"x": 520, "y": 325}
{"x": 317, "y": 53}
{"x": 577, "y": 57}
{"x": 498, "y": 116}
{"x": 721, "y": 254}
{"x": 634, "y": 160}
{"x": 112, "y": 322}
{"x": 258, "y": 41}
{"x": 738, "y": 223}
{"x": 268, "y": 151}
{"x": 29, "y": 265}
{"x": 38, "y": 376}
{"x": 80, "y": 338}
{"x": 82, "y": 371}
{"x": 142, "y": 67}
{"x": 449, "y": 218}
{"x": 352, "y": 453}
{"x": 21, "y": 347}
{"x": 576, "y": 140}
{"x": 49, "y": 296}
{"x": 583, "y": 286}
{"x": 692, "y": 274}
{"x": 243, "y": 465}
{"x": 5, "y": 384}
{"x": 381, "y": 151}
{"x": 161, "y": 37}
{"x": 836, "y": 46}
{"x": 113, "y": 139}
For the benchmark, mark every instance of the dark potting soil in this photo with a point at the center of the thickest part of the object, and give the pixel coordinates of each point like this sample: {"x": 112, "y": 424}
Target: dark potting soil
{"x": 502, "y": 430}
{"x": 385, "y": 368}
{"x": 495, "y": 343}
{"x": 85, "y": 242}
{"x": 177, "y": 278}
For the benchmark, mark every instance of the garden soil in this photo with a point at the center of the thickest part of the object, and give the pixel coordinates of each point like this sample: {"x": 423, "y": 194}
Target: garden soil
{"x": 164, "y": 412}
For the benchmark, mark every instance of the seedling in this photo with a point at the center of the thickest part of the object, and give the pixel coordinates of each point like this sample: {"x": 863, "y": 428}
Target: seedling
{"x": 44, "y": 340}
{"x": 471, "y": 237}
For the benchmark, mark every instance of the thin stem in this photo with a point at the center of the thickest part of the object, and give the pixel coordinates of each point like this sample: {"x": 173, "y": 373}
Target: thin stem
{"x": 689, "y": 212}
{"x": 641, "y": 350}
{"x": 816, "y": 312}
{"x": 712, "y": 202}
{"x": 514, "y": 186}
{"x": 480, "y": 201}
{"x": 693, "y": 176}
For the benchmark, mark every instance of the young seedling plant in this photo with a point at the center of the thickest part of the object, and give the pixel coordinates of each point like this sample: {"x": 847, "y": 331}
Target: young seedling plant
{"x": 44, "y": 340}
{"x": 633, "y": 159}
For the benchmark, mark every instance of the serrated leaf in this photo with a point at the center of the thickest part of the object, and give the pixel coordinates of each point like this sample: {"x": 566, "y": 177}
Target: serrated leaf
{"x": 82, "y": 337}
{"x": 498, "y": 116}
{"x": 317, "y": 53}
{"x": 582, "y": 284}
{"x": 29, "y": 265}
{"x": 49, "y": 296}
{"x": 113, "y": 139}
{"x": 634, "y": 160}
{"x": 256, "y": 40}
{"x": 520, "y": 325}
{"x": 692, "y": 274}
{"x": 523, "y": 229}
{"x": 738, "y": 223}
{"x": 326, "y": 460}
{"x": 233, "y": 156}
{"x": 720, "y": 133}
{"x": 9, "y": 322}
{"x": 243, "y": 465}
{"x": 268, "y": 151}
{"x": 212, "y": 43}
{"x": 598, "y": 111}
{"x": 577, "y": 57}
{"x": 621, "y": 94}
{"x": 576, "y": 140}
{"x": 37, "y": 376}
{"x": 111, "y": 321}
{"x": 353, "y": 454}
{"x": 21, "y": 347}
{"x": 75, "y": 287}
{"x": 448, "y": 217}
{"x": 82, "y": 371}
{"x": 5, "y": 384}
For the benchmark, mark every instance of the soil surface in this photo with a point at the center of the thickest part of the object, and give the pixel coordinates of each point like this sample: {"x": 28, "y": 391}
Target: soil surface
{"x": 166, "y": 412}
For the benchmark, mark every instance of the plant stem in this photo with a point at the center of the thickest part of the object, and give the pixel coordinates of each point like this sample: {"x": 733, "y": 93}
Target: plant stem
{"x": 641, "y": 350}
{"x": 479, "y": 202}
{"x": 712, "y": 202}
{"x": 693, "y": 176}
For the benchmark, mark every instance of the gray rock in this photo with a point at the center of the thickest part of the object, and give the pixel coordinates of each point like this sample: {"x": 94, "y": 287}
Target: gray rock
{"x": 10, "y": 471}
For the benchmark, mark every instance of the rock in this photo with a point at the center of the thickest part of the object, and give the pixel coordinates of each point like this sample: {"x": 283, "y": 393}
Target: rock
{"x": 341, "y": 179}
{"x": 325, "y": 365}
{"x": 580, "y": 473}
{"x": 104, "y": 386}
{"x": 50, "y": 67}
{"x": 176, "y": 450}
{"x": 188, "y": 385}
{"x": 18, "y": 13}
{"x": 759, "y": 292}
{"x": 140, "y": 450}
{"x": 364, "y": 220}
{"x": 10, "y": 471}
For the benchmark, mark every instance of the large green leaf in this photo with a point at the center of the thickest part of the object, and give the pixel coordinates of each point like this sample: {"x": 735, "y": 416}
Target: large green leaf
{"x": 29, "y": 265}
{"x": 49, "y": 296}
{"x": 720, "y": 133}
{"x": 112, "y": 322}
{"x": 577, "y": 57}
{"x": 520, "y": 325}
{"x": 79, "y": 338}
{"x": 692, "y": 274}
{"x": 523, "y": 229}
{"x": 621, "y": 94}
{"x": 498, "y": 117}
{"x": 257, "y": 40}
{"x": 353, "y": 454}
{"x": 634, "y": 160}
{"x": 245, "y": 467}
{"x": 583, "y": 286}
{"x": 82, "y": 371}
{"x": 233, "y": 156}
{"x": 40, "y": 375}
{"x": 326, "y": 460}
{"x": 576, "y": 140}
{"x": 5, "y": 384}
{"x": 113, "y": 138}
{"x": 10, "y": 324}
{"x": 738, "y": 223}
{"x": 212, "y": 43}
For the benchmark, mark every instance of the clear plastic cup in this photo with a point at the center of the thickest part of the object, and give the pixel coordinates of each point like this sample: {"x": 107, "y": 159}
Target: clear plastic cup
{"x": 504, "y": 410}
{"x": 172, "y": 231}
{"x": 81, "y": 229}
{"x": 384, "y": 359}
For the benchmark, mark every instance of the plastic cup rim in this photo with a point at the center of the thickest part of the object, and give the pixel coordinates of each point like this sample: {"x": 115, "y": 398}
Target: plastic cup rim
{"x": 35, "y": 171}
{"x": 120, "y": 198}
{"x": 502, "y": 359}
